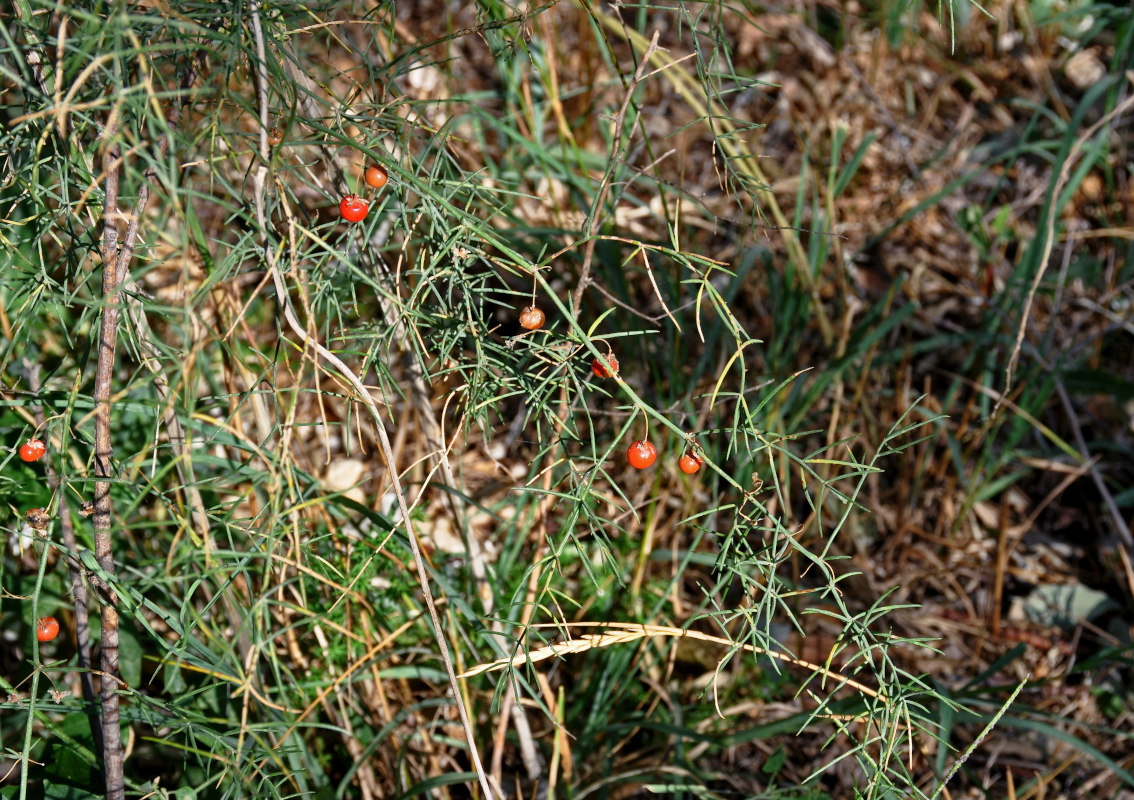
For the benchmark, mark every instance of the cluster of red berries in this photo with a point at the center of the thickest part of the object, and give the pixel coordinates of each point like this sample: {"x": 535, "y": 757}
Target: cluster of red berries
{"x": 47, "y": 628}
{"x": 642, "y": 453}
{"x": 354, "y": 208}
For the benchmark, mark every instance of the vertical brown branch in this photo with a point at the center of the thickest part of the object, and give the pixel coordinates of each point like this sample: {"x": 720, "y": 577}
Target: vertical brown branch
{"x": 104, "y": 374}
{"x": 115, "y": 272}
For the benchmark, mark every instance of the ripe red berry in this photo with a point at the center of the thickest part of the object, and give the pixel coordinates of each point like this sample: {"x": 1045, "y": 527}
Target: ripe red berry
{"x": 607, "y": 369}
{"x": 32, "y": 450}
{"x": 641, "y": 454}
{"x": 353, "y": 208}
{"x": 47, "y": 629}
{"x": 275, "y": 136}
{"x": 531, "y": 318}
{"x": 690, "y": 462}
{"x": 376, "y": 176}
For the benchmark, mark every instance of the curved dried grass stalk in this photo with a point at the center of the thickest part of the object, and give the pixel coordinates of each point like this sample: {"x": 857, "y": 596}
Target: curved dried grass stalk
{"x": 623, "y": 632}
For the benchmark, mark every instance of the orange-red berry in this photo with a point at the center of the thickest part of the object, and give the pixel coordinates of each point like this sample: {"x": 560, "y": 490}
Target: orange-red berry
{"x": 376, "y": 176}
{"x": 32, "y": 450}
{"x": 605, "y": 368}
{"x": 47, "y": 629}
{"x": 690, "y": 462}
{"x": 353, "y": 208}
{"x": 275, "y": 136}
{"x": 532, "y": 318}
{"x": 641, "y": 454}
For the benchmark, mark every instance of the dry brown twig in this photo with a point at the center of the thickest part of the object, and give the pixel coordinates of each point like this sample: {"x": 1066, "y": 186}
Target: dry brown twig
{"x": 1119, "y": 522}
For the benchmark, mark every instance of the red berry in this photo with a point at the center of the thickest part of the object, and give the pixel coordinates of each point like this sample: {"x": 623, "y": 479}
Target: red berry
{"x": 531, "y": 318}
{"x": 353, "y": 208}
{"x": 690, "y": 462}
{"x": 376, "y": 176}
{"x": 275, "y": 136}
{"x": 641, "y": 454}
{"x": 47, "y": 629}
{"x": 605, "y": 370}
{"x": 32, "y": 450}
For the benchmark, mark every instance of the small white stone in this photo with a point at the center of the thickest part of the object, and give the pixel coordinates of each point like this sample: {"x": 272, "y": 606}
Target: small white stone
{"x": 343, "y": 474}
{"x": 1084, "y": 69}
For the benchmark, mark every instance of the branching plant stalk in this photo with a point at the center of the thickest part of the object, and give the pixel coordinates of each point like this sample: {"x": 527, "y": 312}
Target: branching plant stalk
{"x": 134, "y": 309}
{"x": 104, "y": 553}
{"x": 362, "y": 393}
{"x": 78, "y": 586}
{"x": 617, "y": 152}
{"x": 115, "y": 272}
{"x": 508, "y": 706}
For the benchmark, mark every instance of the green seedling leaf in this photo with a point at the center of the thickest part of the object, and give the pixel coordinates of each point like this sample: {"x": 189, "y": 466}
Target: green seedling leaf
{"x": 848, "y": 172}
{"x": 774, "y": 763}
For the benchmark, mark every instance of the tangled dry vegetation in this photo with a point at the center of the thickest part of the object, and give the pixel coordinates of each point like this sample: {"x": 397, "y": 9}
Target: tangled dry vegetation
{"x": 930, "y": 218}
{"x": 1001, "y": 528}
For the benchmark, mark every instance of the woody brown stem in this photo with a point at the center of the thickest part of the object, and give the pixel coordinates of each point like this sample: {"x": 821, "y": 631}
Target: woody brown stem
{"x": 115, "y": 271}
{"x": 104, "y": 373}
